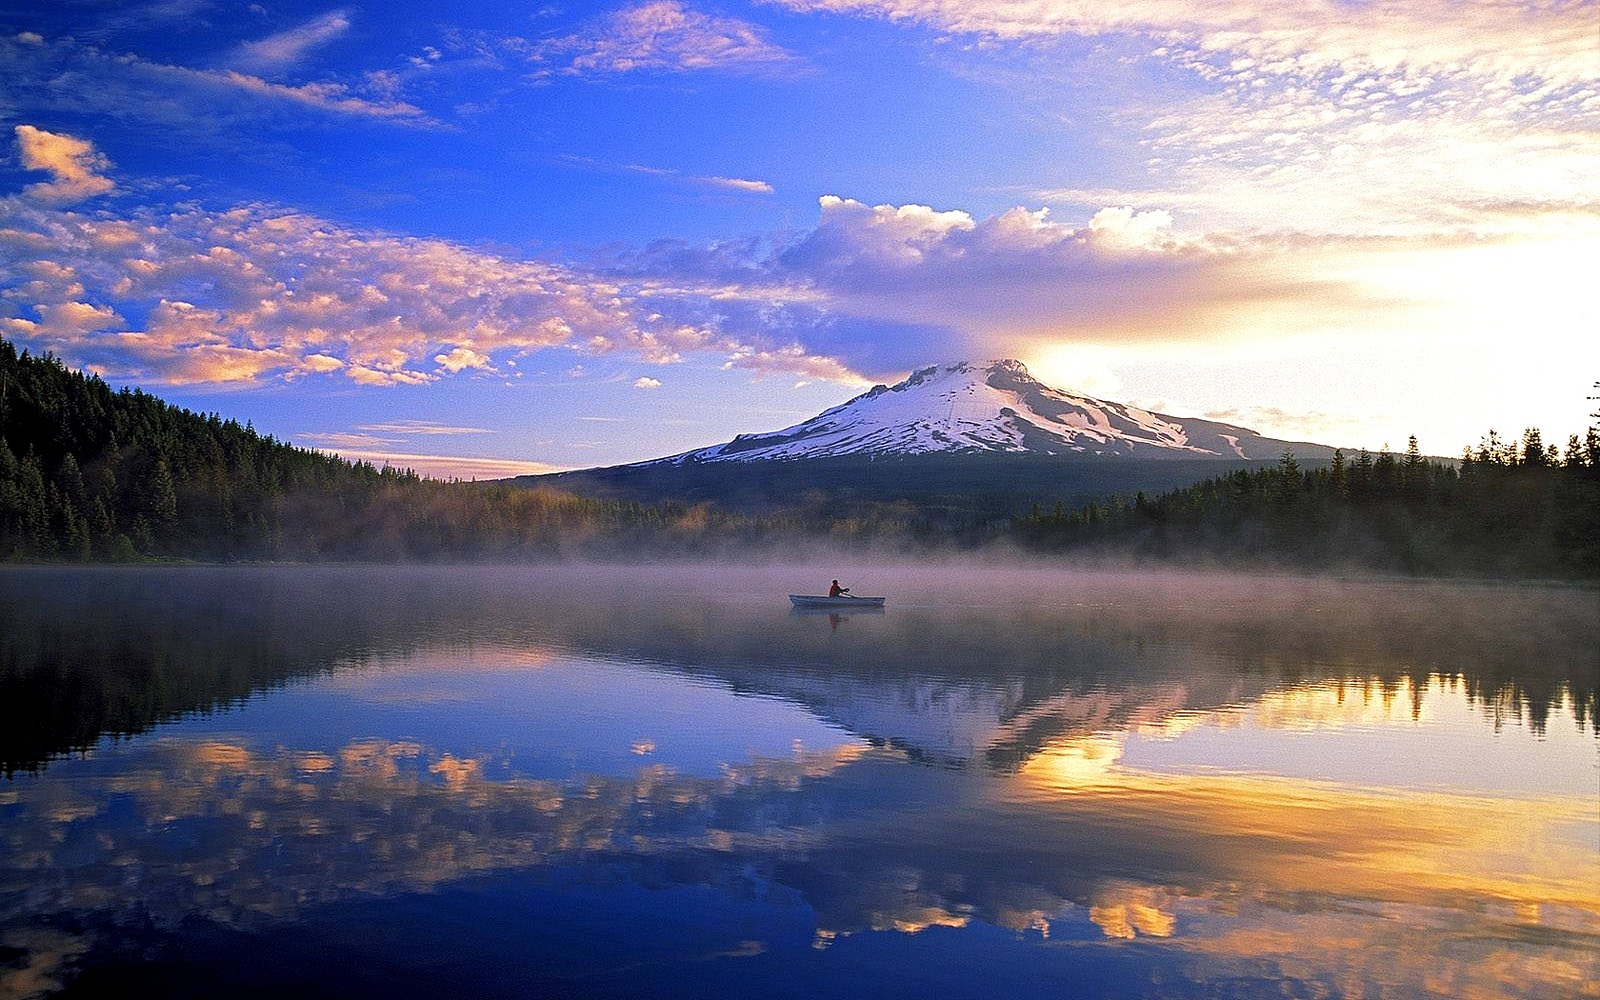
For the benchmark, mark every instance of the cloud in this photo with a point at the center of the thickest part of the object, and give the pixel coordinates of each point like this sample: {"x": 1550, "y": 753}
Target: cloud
{"x": 427, "y": 427}
{"x": 1300, "y": 425}
{"x": 1495, "y": 38}
{"x": 793, "y": 360}
{"x": 141, "y": 17}
{"x": 344, "y": 439}
{"x": 1397, "y": 119}
{"x": 711, "y": 181}
{"x": 878, "y": 289}
{"x": 726, "y": 183}
{"x": 135, "y": 353}
{"x": 459, "y": 359}
{"x": 69, "y": 76}
{"x": 1279, "y": 422}
{"x": 77, "y": 319}
{"x": 665, "y": 36}
{"x": 74, "y": 165}
{"x": 258, "y": 292}
{"x": 735, "y": 184}
{"x": 368, "y": 375}
{"x": 183, "y": 294}
{"x": 1019, "y": 274}
{"x": 1121, "y": 226}
{"x": 446, "y": 466}
{"x": 329, "y": 97}
{"x": 374, "y": 443}
{"x": 289, "y": 47}
{"x": 646, "y": 382}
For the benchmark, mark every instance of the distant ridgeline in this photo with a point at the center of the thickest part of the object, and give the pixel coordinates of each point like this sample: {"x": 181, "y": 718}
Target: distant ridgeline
{"x": 92, "y": 474}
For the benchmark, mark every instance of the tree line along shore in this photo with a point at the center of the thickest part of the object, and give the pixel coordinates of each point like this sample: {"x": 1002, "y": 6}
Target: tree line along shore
{"x": 92, "y": 474}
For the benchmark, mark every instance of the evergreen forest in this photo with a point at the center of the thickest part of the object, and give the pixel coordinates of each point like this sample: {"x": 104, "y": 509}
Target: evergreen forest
{"x": 1508, "y": 508}
{"x": 88, "y": 473}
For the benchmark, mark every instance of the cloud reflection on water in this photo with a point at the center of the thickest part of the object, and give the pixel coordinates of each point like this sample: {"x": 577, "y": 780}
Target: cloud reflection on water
{"x": 1468, "y": 887}
{"x": 1160, "y": 781}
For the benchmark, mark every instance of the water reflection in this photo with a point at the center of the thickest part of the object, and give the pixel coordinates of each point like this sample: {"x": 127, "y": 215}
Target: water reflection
{"x": 115, "y": 651}
{"x": 1140, "y": 796}
{"x": 1236, "y": 869}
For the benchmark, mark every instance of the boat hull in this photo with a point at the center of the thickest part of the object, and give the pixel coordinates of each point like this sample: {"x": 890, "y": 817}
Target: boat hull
{"x": 819, "y": 601}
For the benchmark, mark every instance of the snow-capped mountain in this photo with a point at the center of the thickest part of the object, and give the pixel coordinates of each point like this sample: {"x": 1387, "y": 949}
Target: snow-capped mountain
{"x": 983, "y": 407}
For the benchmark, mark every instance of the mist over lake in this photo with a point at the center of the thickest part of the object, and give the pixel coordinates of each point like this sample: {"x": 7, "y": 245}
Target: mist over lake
{"x": 659, "y": 781}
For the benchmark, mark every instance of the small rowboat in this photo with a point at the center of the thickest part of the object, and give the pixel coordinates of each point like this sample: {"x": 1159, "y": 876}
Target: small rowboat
{"x": 819, "y": 601}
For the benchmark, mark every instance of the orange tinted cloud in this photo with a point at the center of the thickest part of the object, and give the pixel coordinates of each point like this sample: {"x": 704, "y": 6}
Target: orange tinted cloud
{"x": 73, "y": 163}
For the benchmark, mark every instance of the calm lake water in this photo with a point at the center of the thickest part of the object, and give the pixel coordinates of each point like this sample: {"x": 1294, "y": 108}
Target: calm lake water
{"x": 660, "y": 782}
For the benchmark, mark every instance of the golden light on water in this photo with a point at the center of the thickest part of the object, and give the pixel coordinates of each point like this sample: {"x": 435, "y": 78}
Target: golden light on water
{"x": 1429, "y": 857}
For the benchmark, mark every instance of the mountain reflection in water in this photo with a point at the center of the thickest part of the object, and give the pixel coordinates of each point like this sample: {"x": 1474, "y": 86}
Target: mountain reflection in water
{"x": 657, "y": 782}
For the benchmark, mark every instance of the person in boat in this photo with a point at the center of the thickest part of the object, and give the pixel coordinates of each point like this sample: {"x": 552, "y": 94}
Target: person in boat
{"x": 836, "y": 590}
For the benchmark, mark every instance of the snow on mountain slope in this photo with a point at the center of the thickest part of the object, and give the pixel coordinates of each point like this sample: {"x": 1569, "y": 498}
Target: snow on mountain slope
{"x": 974, "y": 407}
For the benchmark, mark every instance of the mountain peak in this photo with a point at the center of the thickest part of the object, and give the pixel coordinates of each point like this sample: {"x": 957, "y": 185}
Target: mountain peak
{"x": 997, "y": 371}
{"x": 990, "y": 406}
{"x": 985, "y": 365}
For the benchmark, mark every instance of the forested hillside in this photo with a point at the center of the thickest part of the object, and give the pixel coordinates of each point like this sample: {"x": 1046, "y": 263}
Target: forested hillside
{"x": 1509, "y": 508}
{"x": 89, "y": 473}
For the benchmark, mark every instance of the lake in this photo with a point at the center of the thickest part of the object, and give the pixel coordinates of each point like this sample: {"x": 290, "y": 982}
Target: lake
{"x": 660, "y": 782}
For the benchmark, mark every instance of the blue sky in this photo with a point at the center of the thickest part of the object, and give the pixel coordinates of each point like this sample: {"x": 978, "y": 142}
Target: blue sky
{"x": 495, "y": 238}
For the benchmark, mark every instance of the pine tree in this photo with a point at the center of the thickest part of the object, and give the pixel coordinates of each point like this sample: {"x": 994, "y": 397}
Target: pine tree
{"x": 34, "y": 501}
{"x": 1414, "y": 472}
{"x": 1533, "y": 452}
{"x": 162, "y": 499}
{"x": 10, "y": 498}
{"x": 70, "y": 478}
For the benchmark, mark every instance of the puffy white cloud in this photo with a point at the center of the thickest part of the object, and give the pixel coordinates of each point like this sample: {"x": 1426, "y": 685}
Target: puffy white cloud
{"x": 662, "y": 36}
{"x": 73, "y": 320}
{"x": 461, "y": 358}
{"x": 288, "y": 47}
{"x": 887, "y": 234}
{"x": 646, "y": 382}
{"x": 73, "y": 163}
{"x": 1016, "y": 275}
{"x": 1123, "y": 227}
